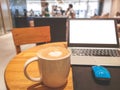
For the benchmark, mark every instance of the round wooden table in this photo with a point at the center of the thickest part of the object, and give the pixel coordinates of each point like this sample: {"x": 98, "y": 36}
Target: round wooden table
{"x": 14, "y": 75}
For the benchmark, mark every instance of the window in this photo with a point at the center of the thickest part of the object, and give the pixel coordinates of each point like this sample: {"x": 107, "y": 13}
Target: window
{"x": 35, "y": 5}
{"x": 86, "y": 8}
{"x": 83, "y": 8}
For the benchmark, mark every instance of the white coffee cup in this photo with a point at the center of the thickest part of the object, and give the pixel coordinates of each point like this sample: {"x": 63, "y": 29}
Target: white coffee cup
{"x": 53, "y": 64}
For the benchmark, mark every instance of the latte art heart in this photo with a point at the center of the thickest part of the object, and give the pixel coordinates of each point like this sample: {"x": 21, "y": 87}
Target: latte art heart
{"x": 55, "y": 53}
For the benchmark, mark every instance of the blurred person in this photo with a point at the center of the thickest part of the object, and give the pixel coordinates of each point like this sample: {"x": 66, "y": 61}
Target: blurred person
{"x": 61, "y": 11}
{"x": 31, "y": 12}
{"x": 46, "y": 10}
{"x": 16, "y": 12}
{"x": 57, "y": 11}
{"x": 70, "y": 13}
{"x": 54, "y": 10}
{"x": 117, "y": 14}
{"x": 25, "y": 12}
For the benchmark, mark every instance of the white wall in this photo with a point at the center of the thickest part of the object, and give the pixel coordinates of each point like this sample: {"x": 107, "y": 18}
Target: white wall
{"x": 6, "y": 15}
{"x": 107, "y": 6}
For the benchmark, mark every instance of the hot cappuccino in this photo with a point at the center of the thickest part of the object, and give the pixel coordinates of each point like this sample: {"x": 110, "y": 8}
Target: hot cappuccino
{"x": 53, "y": 64}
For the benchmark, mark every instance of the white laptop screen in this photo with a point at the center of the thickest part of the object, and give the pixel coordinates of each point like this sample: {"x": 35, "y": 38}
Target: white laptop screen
{"x": 92, "y": 32}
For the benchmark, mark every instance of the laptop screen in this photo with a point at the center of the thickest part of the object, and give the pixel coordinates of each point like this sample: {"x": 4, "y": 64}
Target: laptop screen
{"x": 92, "y": 32}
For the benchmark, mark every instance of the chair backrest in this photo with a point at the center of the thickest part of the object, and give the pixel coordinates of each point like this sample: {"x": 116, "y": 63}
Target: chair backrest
{"x": 30, "y": 35}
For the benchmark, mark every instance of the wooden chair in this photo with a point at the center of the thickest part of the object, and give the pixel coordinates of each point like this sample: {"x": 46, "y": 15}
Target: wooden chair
{"x": 30, "y": 35}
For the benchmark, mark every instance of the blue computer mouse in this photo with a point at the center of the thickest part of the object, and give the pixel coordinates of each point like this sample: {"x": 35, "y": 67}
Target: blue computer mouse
{"x": 101, "y": 73}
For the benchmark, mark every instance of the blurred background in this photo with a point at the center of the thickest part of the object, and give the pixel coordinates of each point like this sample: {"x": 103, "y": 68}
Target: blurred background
{"x": 10, "y": 9}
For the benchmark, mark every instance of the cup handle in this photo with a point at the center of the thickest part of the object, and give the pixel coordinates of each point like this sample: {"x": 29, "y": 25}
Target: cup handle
{"x": 25, "y": 70}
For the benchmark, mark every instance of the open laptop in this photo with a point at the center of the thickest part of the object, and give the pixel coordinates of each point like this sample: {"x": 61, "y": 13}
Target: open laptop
{"x": 88, "y": 35}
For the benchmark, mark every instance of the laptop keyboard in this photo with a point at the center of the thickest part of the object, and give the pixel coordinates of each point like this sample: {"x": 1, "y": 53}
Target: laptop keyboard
{"x": 96, "y": 52}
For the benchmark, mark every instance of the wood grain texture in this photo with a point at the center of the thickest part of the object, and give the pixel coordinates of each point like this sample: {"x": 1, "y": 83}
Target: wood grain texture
{"x": 30, "y": 35}
{"x": 14, "y": 75}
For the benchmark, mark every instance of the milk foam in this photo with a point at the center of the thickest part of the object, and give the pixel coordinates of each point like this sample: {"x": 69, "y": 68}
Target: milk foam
{"x": 55, "y": 53}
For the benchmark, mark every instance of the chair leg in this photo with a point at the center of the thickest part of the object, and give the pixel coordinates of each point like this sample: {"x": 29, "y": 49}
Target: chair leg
{"x": 18, "y": 50}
